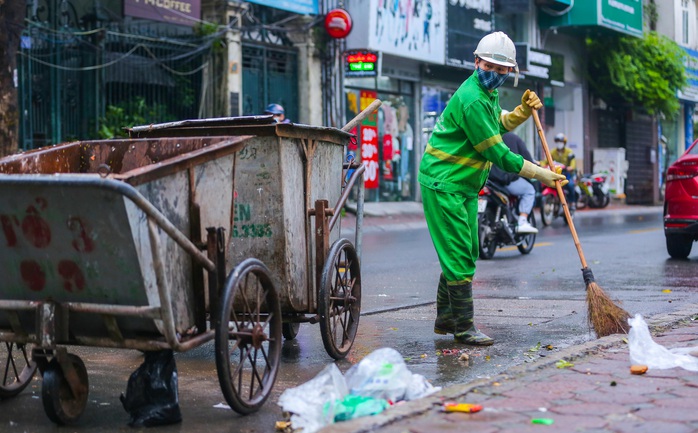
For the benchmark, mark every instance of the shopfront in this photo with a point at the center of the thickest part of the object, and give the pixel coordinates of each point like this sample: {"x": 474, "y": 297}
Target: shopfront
{"x": 386, "y": 141}
{"x": 404, "y": 34}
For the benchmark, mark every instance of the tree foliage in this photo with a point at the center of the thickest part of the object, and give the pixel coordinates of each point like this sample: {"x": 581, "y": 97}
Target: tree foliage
{"x": 645, "y": 72}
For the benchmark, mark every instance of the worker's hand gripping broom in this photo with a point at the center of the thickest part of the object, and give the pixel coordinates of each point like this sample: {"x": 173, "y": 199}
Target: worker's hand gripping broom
{"x": 603, "y": 315}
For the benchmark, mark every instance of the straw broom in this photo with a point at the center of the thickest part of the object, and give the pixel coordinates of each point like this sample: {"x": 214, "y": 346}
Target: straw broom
{"x": 602, "y": 314}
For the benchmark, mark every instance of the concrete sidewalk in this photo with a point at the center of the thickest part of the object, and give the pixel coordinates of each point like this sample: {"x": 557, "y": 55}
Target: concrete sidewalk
{"x": 595, "y": 394}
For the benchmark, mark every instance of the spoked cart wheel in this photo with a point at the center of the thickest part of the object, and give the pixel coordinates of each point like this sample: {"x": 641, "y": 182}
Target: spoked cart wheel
{"x": 248, "y": 337}
{"x": 61, "y": 404}
{"x": 16, "y": 368}
{"x": 339, "y": 303}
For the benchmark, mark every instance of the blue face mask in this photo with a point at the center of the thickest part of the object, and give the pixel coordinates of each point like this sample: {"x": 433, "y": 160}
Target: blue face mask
{"x": 490, "y": 80}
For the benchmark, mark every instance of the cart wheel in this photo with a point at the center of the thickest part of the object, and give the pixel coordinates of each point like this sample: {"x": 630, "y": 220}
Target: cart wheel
{"x": 290, "y": 330}
{"x": 248, "y": 337}
{"x": 16, "y": 368}
{"x": 60, "y": 405}
{"x": 339, "y": 302}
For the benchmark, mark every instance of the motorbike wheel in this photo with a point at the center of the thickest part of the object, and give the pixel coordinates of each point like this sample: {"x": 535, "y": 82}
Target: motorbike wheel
{"x": 527, "y": 240}
{"x": 487, "y": 236}
{"x": 600, "y": 200}
{"x": 547, "y": 210}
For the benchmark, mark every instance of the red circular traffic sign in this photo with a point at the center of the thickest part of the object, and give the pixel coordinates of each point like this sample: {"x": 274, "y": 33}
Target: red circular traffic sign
{"x": 338, "y": 23}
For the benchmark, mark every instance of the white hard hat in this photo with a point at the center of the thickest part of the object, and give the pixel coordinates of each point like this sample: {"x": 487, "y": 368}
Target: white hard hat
{"x": 497, "y": 48}
{"x": 561, "y": 138}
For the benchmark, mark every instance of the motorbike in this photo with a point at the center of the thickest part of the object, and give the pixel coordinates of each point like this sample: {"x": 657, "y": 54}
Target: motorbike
{"x": 497, "y": 216}
{"x": 551, "y": 205}
{"x": 593, "y": 191}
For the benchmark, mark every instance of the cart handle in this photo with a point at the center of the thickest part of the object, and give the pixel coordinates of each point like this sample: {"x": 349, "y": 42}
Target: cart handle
{"x": 361, "y": 116}
{"x": 347, "y": 189}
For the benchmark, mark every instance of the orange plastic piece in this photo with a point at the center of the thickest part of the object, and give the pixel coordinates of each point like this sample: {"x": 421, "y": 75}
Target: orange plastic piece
{"x": 462, "y": 407}
{"x": 638, "y": 369}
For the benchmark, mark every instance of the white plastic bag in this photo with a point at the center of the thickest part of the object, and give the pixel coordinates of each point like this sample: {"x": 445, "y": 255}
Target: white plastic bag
{"x": 381, "y": 374}
{"x": 312, "y": 404}
{"x": 644, "y": 351}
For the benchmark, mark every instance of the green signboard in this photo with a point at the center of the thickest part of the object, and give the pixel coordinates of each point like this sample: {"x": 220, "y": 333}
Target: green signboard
{"x": 620, "y": 15}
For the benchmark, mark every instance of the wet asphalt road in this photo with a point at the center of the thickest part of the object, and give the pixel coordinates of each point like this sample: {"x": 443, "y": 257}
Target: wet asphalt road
{"x": 521, "y": 301}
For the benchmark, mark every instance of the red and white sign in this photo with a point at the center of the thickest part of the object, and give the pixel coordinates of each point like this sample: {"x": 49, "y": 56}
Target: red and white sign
{"x": 338, "y": 23}
{"x": 369, "y": 155}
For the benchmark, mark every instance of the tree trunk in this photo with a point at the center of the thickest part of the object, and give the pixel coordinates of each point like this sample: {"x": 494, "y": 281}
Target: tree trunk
{"x": 12, "y": 14}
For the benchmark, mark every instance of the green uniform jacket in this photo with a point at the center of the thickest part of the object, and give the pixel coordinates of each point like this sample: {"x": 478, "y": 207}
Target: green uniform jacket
{"x": 466, "y": 141}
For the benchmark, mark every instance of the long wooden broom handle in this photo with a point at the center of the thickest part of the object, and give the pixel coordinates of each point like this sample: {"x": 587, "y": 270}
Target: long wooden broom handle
{"x": 560, "y": 193}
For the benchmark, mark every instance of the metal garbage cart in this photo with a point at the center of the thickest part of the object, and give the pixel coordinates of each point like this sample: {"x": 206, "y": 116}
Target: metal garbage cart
{"x": 122, "y": 243}
{"x": 285, "y": 180}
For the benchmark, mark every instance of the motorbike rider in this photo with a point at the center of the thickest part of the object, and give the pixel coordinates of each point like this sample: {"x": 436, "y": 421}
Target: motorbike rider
{"x": 565, "y": 156}
{"x": 466, "y": 141}
{"x": 517, "y": 185}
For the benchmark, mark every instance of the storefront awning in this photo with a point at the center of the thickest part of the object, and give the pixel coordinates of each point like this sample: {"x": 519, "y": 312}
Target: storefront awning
{"x": 623, "y": 16}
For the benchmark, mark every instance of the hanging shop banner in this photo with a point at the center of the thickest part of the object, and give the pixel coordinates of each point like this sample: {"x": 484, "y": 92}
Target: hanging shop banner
{"x": 183, "y": 12}
{"x": 303, "y": 7}
{"x": 468, "y": 22}
{"x": 690, "y": 91}
{"x": 369, "y": 140}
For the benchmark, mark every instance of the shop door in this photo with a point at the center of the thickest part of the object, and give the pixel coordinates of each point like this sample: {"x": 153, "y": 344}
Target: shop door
{"x": 269, "y": 74}
{"x": 641, "y": 186}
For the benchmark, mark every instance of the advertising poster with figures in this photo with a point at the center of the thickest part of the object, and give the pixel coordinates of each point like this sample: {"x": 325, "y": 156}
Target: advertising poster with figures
{"x": 408, "y": 28}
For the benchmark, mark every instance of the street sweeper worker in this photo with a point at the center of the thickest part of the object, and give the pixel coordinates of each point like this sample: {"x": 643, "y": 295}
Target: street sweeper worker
{"x": 565, "y": 156}
{"x": 466, "y": 141}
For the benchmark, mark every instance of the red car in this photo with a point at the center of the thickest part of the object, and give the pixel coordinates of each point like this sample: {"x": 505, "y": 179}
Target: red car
{"x": 681, "y": 204}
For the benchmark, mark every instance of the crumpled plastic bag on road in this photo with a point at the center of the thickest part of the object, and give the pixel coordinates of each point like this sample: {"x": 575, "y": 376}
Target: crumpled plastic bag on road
{"x": 645, "y": 351}
{"x": 379, "y": 378}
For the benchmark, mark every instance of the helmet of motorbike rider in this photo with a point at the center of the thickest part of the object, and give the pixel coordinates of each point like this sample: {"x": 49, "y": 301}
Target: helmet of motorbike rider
{"x": 561, "y": 141}
{"x": 496, "y": 48}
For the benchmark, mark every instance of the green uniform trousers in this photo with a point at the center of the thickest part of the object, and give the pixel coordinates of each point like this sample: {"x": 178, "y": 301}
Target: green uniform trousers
{"x": 452, "y": 222}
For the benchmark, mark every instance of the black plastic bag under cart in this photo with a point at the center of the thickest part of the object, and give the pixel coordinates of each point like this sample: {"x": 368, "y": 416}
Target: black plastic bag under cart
{"x": 151, "y": 395}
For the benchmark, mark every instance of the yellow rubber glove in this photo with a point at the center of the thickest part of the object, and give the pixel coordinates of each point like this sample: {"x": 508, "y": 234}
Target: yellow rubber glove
{"x": 530, "y": 101}
{"x": 548, "y": 177}
{"x": 522, "y": 112}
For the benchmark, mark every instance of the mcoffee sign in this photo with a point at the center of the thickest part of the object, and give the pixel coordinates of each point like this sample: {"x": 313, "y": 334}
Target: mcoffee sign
{"x": 184, "y": 12}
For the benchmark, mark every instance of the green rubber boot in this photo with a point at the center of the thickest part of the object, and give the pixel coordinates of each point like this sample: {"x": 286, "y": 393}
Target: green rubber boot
{"x": 444, "y": 317}
{"x": 463, "y": 313}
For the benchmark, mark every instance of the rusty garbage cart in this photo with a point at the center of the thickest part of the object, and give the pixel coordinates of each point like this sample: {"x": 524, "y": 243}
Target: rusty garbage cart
{"x": 291, "y": 183}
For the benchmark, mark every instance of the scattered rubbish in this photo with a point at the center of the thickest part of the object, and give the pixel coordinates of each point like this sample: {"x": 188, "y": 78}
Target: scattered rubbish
{"x": 563, "y": 364}
{"x": 356, "y": 406}
{"x": 614, "y": 383}
{"x": 535, "y": 348}
{"x": 644, "y": 351}
{"x": 461, "y": 407}
{"x": 464, "y": 357}
{"x": 367, "y": 388}
{"x": 221, "y": 406}
{"x": 638, "y": 369}
{"x": 151, "y": 393}
{"x": 543, "y": 421}
{"x": 282, "y": 425}
{"x": 450, "y": 352}
{"x": 666, "y": 291}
